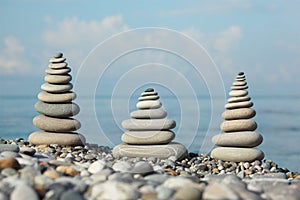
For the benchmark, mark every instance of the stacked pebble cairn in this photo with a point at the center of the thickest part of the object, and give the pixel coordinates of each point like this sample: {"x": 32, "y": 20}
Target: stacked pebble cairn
{"x": 149, "y": 133}
{"x": 56, "y": 107}
{"x": 238, "y": 142}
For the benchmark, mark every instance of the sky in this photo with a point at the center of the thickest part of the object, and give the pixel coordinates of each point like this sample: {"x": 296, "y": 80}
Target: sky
{"x": 261, "y": 38}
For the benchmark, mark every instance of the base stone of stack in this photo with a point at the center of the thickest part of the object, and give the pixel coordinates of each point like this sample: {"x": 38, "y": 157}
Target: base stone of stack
{"x": 159, "y": 151}
{"x": 148, "y": 137}
{"x": 70, "y": 139}
{"x": 237, "y": 154}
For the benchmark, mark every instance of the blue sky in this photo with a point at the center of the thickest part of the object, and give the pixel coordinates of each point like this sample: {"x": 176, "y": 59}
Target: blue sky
{"x": 261, "y": 38}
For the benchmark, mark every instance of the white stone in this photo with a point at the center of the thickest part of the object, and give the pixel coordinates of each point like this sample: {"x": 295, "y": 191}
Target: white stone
{"x": 58, "y": 65}
{"x": 56, "y": 88}
{"x": 96, "y": 166}
{"x": 57, "y": 60}
{"x": 157, "y": 151}
{"x": 239, "y": 87}
{"x": 56, "y": 98}
{"x": 149, "y": 114}
{"x": 243, "y": 104}
{"x": 149, "y": 124}
{"x": 58, "y": 79}
{"x": 149, "y": 104}
{"x": 238, "y": 93}
{"x": 238, "y": 139}
{"x": 237, "y": 154}
{"x": 61, "y": 71}
{"x": 240, "y": 113}
{"x": 239, "y": 83}
{"x": 238, "y": 125}
{"x": 71, "y": 139}
{"x": 151, "y": 97}
{"x": 148, "y": 93}
{"x": 238, "y": 99}
{"x": 148, "y": 137}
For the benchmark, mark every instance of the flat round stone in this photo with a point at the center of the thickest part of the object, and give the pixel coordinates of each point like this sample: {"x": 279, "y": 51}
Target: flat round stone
{"x": 148, "y": 137}
{"x": 240, "y": 113}
{"x": 243, "y": 104}
{"x": 57, "y": 110}
{"x": 239, "y": 87}
{"x": 148, "y": 124}
{"x": 238, "y": 139}
{"x": 70, "y": 139}
{"x": 61, "y": 71}
{"x": 238, "y": 125}
{"x": 239, "y": 83}
{"x": 58, "y": 79}
{"x": 149, "y": 90}
{"x": 148, "y": 104}
{"x": 238, "y": 99}
{"x": 53, "y": 88}
{"x": 58, "y": 55}
{"x": 237, "y": 154}
{"x": 57, "y": 60}
{"x": 148, "y": 93}
{"x": 56, "y": 98}
{"x": 58, "y": 65}
{"x": 151, "y": 97}
{"x": 158, "y": 151}
{"x": 56, "y": 124}
{"x": 238, "y": 93}
{"x": 240, "y": 79}
{"x": 149, "y": 114}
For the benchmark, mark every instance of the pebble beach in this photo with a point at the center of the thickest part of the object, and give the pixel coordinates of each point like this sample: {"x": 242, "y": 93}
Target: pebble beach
{"x": 91, "y": 172}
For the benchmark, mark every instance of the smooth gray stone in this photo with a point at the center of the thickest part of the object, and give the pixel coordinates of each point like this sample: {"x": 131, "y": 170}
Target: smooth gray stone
{"x": 56, "y": 98}
{"x": 148, "y": 93}
{"x": 148, "y": 124}
{"x": 151, "y": 97}
{"x": 240, "y": 79}
{"x": 23, "y": 192}
{"x": 57, "y": 60}
{"x": 219, "y": 191}
{"x": 58, "y": 55}
{"x": 71, "y": 195}
{"x": 56, "y": 124}
{"x": 72, "y": 139}
{"x": 27, "y": 150}
{"x": 238, "y": 125}
{"x": 240, "y": 113}
{"x": 9, "y": 147}
{"x": 237, "y": 154}
{"x": 243, "y": 104}
{"x": 239, "y": 83}
{"x": 8, "y": 154}
{"x": 158, "y": 178}
{"x": 239, "y": 87}
{"x": 97, "y": 166}
{"x": 57, "y": 110}
{"x": 241, "y": 76}
{"x": 148, "y": 104}
{"x": 157, "y": 151}
{"x": 187, "y": 192}
{"x": 159, "y": 113}
{"x": 52, "y": 88}
{"x": 58, "y": 79}
{"x": 238, "y": 99}
{"x": 238, "y": 139}
{"x": 238, "y": 93}
{"x": 58, "y": 65}
{"x": 148, "y": 137}
{"x": 141, "y": 167}
{"x": 61, "y": 71}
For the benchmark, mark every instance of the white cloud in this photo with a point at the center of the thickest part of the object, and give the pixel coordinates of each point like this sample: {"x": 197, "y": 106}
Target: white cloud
{"x": 12, "y": 57}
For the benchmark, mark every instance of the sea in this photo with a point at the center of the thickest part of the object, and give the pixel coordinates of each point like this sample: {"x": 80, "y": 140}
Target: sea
{"x": 198, "y": 120}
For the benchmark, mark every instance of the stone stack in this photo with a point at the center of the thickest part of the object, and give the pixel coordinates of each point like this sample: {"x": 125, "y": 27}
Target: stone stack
{"x": 148, "y": 131}
{"x": 238, "y": 142}
{"x": 56, "y": 107}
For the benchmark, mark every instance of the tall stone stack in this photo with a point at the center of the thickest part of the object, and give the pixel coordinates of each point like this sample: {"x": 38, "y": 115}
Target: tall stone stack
{"x": 56, "y": 107}
{"x": 238, "y": 142}
{"x": 148, "y": 131}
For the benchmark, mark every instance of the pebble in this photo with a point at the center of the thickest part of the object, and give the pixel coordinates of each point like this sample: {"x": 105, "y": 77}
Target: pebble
{"x": 237, "y": 154}
{"x": 71, "y": 195}
{"x": 241, "y": 113}
{"x": 57, "y": 60}
{"x": 9, "y": 163}
{"x": 96, "y": 166}
{"x": 57, "y": 110}
{"x": 58, "y": 65}
{"x": 149, "y": 114}
{"x": 23, "y": 192}
{"x": 27, "y": 150}
{"x": 149, "y": 104}
{"x": 238, "y": 99}
{"x": 54, "y": 88}
{"x": 9, "y": 147}
{"x": 56, "y": 124}
{"x": 61, "y": 71}
{"x": 57, "y": 79}
{"x": 238, "y": 125}
{"x": 243, "y": 104}
{"x": 238, "y": 139}
{"x": 238, "y": 93}
{"x": 56, "y": 98}
{"x": 56, "y": 138}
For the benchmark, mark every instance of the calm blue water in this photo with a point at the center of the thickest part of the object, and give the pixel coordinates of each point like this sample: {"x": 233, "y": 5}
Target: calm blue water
{"x": 278, "y": 121}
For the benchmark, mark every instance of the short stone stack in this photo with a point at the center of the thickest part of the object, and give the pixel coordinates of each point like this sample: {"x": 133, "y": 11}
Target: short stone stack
{"x": 238, "y": 142}
{"x": 149, "y": 133}
{"x": 56, "y": 106}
